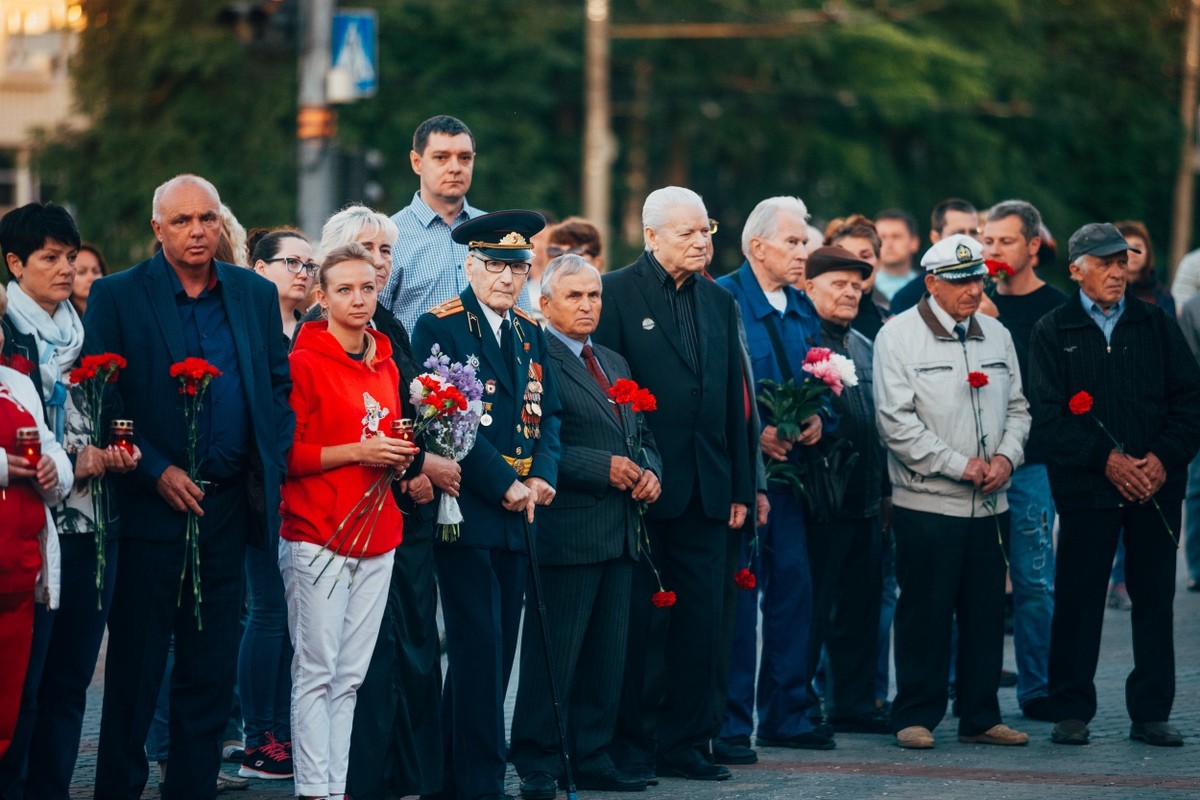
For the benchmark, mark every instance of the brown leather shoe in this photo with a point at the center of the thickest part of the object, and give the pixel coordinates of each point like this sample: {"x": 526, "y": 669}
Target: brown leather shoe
{"x": 915, "y": 737}
{"x": 997, "y": 734}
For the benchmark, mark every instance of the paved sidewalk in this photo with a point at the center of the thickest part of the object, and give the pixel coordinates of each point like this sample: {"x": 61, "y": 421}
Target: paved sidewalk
{"x": 867, "y": 766}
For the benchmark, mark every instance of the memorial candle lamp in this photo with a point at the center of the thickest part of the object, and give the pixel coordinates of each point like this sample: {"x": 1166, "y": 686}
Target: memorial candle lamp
{"x": 402, "y": 429}
{"x": 29, "y": 444}
{"x": 120, "y": 434}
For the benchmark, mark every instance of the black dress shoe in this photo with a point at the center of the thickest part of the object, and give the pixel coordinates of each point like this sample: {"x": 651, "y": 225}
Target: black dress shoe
{"x": 686, "y": 762}
{"x": 538, "y": 786}
{"x": 605, "y": 780}
{"x": 1008, "y": 679}
{"x": 801, "y": 741}
{"x": 1159, "y": 734}
{"x": 734, "y": 750}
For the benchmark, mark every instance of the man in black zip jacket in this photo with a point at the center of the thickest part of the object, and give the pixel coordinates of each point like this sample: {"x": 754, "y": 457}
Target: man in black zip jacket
{"x": 1115, "y": 393}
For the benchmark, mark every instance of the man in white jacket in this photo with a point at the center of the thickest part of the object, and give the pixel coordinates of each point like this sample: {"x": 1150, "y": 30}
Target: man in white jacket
{"x": 951, "y": 413}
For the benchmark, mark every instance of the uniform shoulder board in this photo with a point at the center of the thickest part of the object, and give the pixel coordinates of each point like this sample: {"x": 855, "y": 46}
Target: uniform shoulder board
{"x": 525, "y": 316}
{"x": 448, "y": 308}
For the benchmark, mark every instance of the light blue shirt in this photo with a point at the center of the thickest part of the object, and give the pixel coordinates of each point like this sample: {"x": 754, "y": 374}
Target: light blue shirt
{"x": 427, "y": 265}
{"x": 1106, "y": 322}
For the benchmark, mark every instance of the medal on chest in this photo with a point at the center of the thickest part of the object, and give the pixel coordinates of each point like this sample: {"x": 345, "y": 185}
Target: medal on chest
{"x": 531, "y": 407}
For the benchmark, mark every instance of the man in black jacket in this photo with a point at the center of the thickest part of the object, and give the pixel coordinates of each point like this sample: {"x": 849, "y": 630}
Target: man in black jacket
{"x": 679, "y": 335}
{"x": 1116, "y": 397}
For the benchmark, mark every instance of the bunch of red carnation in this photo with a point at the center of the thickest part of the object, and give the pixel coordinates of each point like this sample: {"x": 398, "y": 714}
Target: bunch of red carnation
{"x": 441, "y": 397}
{"x": 105, "y": 366}
{"x": 627, "y": 392}
{"x": 194, "y": 374}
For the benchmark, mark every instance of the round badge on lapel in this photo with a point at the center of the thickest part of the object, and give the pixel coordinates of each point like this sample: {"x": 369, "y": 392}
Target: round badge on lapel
{"x": 647, "y": 324}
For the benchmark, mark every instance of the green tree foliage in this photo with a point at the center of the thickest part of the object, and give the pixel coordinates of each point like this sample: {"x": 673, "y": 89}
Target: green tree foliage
{"x": 168, "y": 90}
{"x": 871, "y": 103}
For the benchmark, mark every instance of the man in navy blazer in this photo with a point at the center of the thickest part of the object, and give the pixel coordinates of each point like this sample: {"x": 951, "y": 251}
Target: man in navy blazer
{"x": 587, "y": 545}
{"x": 183, "y": 303}
{"x": 679, "y": 333}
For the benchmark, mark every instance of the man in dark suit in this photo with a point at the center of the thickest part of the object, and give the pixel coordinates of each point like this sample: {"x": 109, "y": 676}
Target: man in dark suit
{"x": 679, "y": 335}
{"x": 587, "y": 545}
{"x": 182, "y": 303}
{"x": 512, "y": 468}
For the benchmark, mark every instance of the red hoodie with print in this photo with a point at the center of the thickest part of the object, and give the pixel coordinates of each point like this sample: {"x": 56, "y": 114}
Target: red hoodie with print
{"x": 338, "y": 400}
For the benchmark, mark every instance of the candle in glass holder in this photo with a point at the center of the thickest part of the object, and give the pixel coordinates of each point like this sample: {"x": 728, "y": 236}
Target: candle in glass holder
{"x": 29, "y": 444}
{"x": 120, "y": 434}
{"x": 402, "y": 429}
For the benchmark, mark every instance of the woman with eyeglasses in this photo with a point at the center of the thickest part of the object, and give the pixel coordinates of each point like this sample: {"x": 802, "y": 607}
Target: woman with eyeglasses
{"x": 284, "y": 257}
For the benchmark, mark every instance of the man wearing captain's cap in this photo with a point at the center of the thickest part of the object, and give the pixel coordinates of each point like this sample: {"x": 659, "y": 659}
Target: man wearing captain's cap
{"x": 950, "y": 410}
{"x": 511, "y": 469}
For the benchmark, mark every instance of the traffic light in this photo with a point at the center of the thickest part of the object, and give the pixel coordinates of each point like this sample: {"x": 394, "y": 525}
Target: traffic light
{"x": 261, "y": 21}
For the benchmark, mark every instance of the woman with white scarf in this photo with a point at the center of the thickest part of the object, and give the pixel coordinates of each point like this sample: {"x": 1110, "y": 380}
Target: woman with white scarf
{"x": 43, "y": 334}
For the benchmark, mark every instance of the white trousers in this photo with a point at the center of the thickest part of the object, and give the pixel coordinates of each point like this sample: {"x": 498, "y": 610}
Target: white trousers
{"x": 334, "y": 636}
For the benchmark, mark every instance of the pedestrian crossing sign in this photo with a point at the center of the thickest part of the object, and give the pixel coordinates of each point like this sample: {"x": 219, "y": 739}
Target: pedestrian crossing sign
{"x": 356, "y": 49}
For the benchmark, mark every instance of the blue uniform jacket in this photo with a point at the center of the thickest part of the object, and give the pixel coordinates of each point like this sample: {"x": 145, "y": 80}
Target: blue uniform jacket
{"x": 461, "y": 330}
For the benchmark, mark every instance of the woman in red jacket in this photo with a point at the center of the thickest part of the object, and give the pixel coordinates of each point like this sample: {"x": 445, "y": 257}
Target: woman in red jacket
{"x": 340, "y": 523}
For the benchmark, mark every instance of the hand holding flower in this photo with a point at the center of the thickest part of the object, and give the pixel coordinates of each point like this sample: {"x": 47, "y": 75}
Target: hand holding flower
{"x": 445, "y": 473}
{"x": 772, "y": 446}
{"x": 810, "y": 430}
{"x": 737, "y": 515}
{"x": 179, "y": 491}
{"x": 648, "y": 488}
{"x": 90, "y": 462}
{"x": 1153, "y": 469}
{"x": 976, "y": 470}
{"x": 623, "y": 473}
{"x": 999, "y": 471}
{"x": 1125, "y": 473}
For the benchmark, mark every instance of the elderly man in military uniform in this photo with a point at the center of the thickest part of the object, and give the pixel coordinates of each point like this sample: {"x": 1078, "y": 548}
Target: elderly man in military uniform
{"x": 511, "y": 469}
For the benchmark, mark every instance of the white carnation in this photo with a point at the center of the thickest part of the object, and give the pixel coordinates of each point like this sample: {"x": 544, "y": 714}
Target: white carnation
{"x": 845, "y": 368}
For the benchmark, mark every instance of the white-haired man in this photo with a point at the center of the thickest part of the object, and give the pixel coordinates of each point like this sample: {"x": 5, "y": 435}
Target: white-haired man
{"x": 781, "y": 324}
{"x": 678, "y": 331}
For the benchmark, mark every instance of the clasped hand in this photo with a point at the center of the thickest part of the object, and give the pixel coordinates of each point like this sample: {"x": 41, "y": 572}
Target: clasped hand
{"x": 988, "y": 476}
{"x": 1137, "y": 479}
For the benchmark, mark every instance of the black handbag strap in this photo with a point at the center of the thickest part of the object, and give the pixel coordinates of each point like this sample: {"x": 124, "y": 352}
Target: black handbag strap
{"x": 772, "y": 324}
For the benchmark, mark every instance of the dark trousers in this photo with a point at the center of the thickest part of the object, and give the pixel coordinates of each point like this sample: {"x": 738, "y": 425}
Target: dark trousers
{"x": 671, "y": 668}
{"x": 265, "y": 657}
{"x": 482, "y": 593}
{"x": 1087, "y": 541}
{"x": 70, "y": 662}
{"x": 587, "y": 619}
{"x": 396, "y": 742}
{"x": 144, "y": 615}
{"x": 847, "y": 569}
{"x": 947, "y": 566}
{"x": 785, "y": 588}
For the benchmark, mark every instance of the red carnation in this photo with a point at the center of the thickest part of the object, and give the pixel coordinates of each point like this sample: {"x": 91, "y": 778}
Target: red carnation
{"x": 744, "y": 579}
{"x": 81, "y": 374}
{"x": 623, "y": 390}
{"x": 1080, "y": 403}
{"x": 998, "y": 269}
{"x": 977, "y": 379}
{"x": 18, "y": 362}
{"x": 643, "y": 400}
{"x": 663, "y": 599}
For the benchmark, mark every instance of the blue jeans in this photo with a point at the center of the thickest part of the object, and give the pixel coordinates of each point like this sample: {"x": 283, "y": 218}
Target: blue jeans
{"x": 1191, "y": 518}
{"x": 785, "y": 586}
{"x": 1031, "y": 565}
{"x": 265, "y": 658}
{"x": 887, "y": 612}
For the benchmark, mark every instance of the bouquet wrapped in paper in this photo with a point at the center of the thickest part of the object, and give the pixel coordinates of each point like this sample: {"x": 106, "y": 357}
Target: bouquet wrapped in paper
{"x": 449, "y": 404}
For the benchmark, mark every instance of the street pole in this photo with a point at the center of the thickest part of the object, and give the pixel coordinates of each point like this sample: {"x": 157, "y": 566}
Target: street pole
{"x": 597, "y": 139}
{"x": 316, "y": 122}
{"x": 1181, "y": 219}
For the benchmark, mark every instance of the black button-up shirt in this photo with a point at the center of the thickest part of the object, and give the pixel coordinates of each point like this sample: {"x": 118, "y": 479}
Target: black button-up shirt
{"x": 682, "y": 300}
